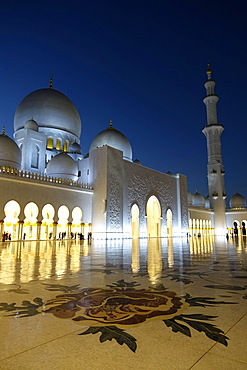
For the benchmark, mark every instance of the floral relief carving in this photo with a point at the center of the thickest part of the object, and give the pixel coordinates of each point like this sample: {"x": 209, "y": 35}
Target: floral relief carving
{"x": 114, "y": 206}
{"x": 184, "y": 205}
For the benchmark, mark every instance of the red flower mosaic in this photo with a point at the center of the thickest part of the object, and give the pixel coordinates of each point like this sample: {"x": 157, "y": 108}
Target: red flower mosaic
{"x": 116, "y": 306}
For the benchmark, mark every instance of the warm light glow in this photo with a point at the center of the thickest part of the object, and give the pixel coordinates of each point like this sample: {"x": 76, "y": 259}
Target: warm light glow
{"x": 58, "y": 144}
{"x": 153, "y": 217}
{"x": 49, "y": 144}
{"x": 169, "y": 222}
{"x": 135, "y": 221}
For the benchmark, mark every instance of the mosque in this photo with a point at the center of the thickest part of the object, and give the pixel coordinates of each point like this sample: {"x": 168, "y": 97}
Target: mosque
{"x": 50, "y": 190}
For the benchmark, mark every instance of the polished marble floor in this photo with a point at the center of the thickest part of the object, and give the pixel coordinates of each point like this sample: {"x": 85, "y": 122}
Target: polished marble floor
{"x": 141, "y": 304}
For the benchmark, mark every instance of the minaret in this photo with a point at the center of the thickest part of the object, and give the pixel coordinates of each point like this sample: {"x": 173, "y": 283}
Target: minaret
{"x": 213, "y": 131}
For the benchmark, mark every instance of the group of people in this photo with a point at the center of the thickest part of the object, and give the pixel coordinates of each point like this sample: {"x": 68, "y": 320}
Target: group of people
{"x": 62, "y": 235}
{"x": 79, "y": 235}
{"x": 6, "y": 236}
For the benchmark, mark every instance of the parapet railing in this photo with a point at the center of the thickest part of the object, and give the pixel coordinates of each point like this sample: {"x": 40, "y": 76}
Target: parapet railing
{"x": 43, "y": 177}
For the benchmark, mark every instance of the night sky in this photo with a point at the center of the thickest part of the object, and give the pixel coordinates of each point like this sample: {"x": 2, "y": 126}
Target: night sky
{"x": 141, "y": 63}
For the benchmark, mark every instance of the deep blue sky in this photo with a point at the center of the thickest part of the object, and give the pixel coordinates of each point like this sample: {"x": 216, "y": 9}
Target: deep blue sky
{"x": 142, "y": 64}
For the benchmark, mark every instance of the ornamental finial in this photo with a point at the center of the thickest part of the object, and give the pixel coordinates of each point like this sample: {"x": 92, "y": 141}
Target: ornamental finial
{"x": 209, "y": 72}
{"x": 51, "y": 82}
{"x": 110, "y": 123}
{"x": 3, "y": 130}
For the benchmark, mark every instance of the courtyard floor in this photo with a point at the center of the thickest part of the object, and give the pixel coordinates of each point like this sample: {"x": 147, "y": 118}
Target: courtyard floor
{"x": 141, "y": 304}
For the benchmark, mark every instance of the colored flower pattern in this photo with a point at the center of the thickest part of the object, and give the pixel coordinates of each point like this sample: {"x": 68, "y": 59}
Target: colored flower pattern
{"x": 116, "y": 306}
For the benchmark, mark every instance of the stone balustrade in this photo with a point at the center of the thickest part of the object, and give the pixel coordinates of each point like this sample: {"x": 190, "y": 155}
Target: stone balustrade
{"x": 43, "y": 177}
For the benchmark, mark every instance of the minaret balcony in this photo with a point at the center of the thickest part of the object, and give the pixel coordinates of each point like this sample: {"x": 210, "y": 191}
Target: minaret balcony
{"x": 215, "y": 195}
{"x": 224, "y": 195}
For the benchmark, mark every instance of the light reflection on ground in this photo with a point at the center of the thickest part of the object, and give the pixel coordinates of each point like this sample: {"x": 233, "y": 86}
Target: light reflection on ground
{"x": 21, "y": 262}
{"x": 121, "y": 296}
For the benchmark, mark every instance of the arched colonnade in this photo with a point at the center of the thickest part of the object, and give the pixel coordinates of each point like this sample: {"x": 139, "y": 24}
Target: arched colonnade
{"x": 60, "y": 224}
{"x": 200, "y": 227}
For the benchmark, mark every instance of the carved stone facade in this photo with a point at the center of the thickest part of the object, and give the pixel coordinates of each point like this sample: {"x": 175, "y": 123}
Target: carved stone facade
{"x": 141, "y": 188}
{"x": 184, "y": 204}
{"x": 115, "y": 203}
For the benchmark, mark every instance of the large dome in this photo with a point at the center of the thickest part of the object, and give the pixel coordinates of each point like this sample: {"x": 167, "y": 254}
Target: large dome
{"x": 115, "y": 139}
{"x": 49, "y": 108}
{"x": 62, "y": 166}
{"x": 10, "y": 153}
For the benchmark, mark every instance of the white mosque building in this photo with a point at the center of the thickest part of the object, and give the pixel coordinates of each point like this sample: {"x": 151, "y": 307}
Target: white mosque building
{"x": 49, "y": 189}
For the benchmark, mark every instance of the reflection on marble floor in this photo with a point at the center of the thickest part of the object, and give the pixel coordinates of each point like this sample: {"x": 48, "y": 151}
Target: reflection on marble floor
{"x": 119, "y": 291}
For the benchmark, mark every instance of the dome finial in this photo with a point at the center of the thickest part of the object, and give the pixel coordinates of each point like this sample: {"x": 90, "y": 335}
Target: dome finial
{"x": 209, "y": 72}
{"x": 51, "y": 81}
{"x": 3, "y": 130}
{"x": 110, "y": 123}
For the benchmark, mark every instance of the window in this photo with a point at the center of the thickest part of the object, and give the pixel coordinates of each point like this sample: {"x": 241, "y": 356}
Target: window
{"x": 35, "y": 157}
{"x": 49, "y": 144}
{"x": 58, "y": 144}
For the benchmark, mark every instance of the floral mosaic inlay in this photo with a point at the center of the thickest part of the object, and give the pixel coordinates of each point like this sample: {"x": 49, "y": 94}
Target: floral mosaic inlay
{"x": 122, "y": 306}
{"x": 110, "y": 311}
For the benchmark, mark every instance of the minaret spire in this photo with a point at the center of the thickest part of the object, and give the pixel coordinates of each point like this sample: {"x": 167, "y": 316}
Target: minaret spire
{"x": 51, "y": 82}
{"x": 209, "y": 72}
{"x": 210, "y": 99}
{"x": 215, "y": 169}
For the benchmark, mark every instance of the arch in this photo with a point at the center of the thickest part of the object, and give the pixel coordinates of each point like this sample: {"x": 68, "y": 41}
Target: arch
{"x": 77, "y": 214}
{"x": 12, "y": 211}
{"x": 63, "y": 215}
{"x": 153, "y": 217}
{"x": 35, "y": 157}
{"x": 169, "y": 222}
{"x": 49, "y": 144}
{"x": 135, "y": 221}
{"x": 48, "y": 213}
{"x": 244, "y": 225}
{"x": 58, "y": 144}
{"x": 236, "y": 227}
{"x": 31, "y": 212}
{"x": 65, "y": 146}
{"x": 194, "y": 223}
{"x": 76, "y": 220}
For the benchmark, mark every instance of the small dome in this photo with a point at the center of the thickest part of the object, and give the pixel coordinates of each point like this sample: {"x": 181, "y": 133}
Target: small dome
{"x": 237, "y": 201}
{"x": 190, "y": 198}
{"x": 31, "y": 125}
{"x": 198, "y": 200}
{"x": 10, "y": 153}
{"x": 62, "y": 166}
{"x": 75, "y": 148}
{"x": 115, "y": 139}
